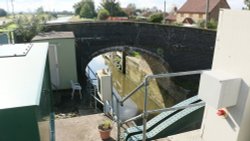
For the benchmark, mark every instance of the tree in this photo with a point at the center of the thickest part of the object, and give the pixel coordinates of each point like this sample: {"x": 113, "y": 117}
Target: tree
{"x": 77, "y": 8}
{"x": 28, "y": 27}
{"x": 3, "y": 13}
{"x": 85, "y": 9}
{"x": 130, "y": 10}
{"x": 156, "y": 18}
{"x": 40, "y": 10}
{"x": 247, "y": 3}
{"x": 103, "y": 14}
{"x": 88, "y": 10}
{"x": 113, "y": 8}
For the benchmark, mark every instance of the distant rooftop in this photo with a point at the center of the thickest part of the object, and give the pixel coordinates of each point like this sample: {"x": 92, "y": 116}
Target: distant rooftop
{"x": 199, "y": 6}
{"x": 53, "y": 35}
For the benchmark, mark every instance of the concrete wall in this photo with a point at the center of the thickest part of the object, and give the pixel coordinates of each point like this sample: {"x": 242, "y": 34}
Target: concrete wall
{"x": 164, "y": 91}
{"x": 136, "y": 70}
{"x": 231, "y": 56}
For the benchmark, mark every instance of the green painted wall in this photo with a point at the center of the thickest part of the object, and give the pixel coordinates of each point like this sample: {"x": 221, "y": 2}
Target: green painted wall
{"x": 18, "y": 124}
{"x": 66, "y": 60}
{"x": 45, "y": 108}
{"x": 29, "y": 123}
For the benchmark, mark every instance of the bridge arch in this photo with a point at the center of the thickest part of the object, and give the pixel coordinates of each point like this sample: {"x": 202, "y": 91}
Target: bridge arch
{"x": 181, "y": 47}
{"x": 128, "y": 49}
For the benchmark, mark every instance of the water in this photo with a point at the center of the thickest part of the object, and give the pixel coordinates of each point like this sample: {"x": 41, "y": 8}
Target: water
{"x": 123, "y": 85}
{"x": 60, "y": 20}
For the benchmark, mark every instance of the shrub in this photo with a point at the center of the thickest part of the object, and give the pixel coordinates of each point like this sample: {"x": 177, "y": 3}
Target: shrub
{"x": 3, "y": 13}
{"x": 156, "y": 18}
{"x": 105, "y": 125}
{"x": 103, "y": 14}
{"x": 212, "y": 24}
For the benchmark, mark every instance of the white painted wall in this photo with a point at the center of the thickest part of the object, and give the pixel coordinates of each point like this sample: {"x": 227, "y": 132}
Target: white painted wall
{"x": 196, "y": 17}
{"x": 232, "y": 55}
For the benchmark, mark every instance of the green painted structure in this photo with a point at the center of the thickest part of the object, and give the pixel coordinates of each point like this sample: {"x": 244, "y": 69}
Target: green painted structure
{"x": 4, "y": 38}
{"x": 7, "y": 37}
{"x": 62, "y": 57}
{"x": 25, "y": 94}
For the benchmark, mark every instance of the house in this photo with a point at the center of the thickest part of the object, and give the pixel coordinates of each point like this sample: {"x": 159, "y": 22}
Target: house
{"x": 194, "y": 10}
{"x": 171, "y": 17}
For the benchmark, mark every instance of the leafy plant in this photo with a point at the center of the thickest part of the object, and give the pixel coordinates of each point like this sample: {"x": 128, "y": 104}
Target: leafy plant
{"x": 212, "y": 24}
{"x": 85, "y": 9}
{"x": 247, "y": 3}
{"x": 105, "y": 125}
{"x": 113, "y": 7}
{"x": 103, "y": 14}
{"x": 156, "y": 18}
{"x": 28, "y": 27}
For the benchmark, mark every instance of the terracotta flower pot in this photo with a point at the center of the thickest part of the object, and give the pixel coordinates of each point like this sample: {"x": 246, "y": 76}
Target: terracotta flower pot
{"x": 105, "y": 134}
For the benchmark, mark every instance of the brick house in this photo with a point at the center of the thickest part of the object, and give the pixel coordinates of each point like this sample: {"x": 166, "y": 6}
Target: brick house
{"x": 195, "y": 10}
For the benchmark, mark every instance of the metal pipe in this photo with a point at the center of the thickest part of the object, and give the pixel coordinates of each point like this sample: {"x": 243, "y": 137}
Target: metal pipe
{"x": 145, "y": 114}
{"x": 117, "y": 98}
{"x": 174, "y": 74}
{"x": 132, "y": 92}
{"x": 95, "y": 94}
{"x": 118, "y": 120}
{"x": 112, "y": 97}
{"x": 91, "y": 71}
{"x": 133, "y": 118}
{"x": 88, "y": 72}
{"x": 176, "y": 108}
{"x": 97, "y": 99}
{"x": 52, "y": 126}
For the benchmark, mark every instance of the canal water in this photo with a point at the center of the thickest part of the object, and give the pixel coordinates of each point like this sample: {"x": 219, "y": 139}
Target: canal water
{"x": 123, "y": 86}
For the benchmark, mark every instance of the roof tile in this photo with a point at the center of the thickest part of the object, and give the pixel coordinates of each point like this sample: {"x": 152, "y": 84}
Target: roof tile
{"x": 197, "y": 6}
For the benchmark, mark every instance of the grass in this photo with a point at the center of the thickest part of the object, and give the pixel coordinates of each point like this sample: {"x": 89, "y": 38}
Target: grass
{"x": 136, "y": 54}
{"x": 9, "y": 27}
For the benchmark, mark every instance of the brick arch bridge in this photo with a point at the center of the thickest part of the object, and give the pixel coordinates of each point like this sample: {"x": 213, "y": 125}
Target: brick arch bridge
{"x": 182, "y": 48}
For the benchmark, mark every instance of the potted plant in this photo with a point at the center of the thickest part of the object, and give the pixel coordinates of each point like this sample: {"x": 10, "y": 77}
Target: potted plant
{"x": 105, "y": 128}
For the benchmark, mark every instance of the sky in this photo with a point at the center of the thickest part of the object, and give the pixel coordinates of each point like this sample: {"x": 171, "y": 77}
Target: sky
{"x": 60, "y": 5}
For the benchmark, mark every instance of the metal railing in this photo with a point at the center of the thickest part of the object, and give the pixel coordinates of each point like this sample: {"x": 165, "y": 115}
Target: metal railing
{"x": 94, "y": 93}
{"x": 146, "y": 112}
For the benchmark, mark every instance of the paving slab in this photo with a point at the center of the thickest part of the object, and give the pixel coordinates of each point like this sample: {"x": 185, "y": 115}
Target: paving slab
{"x": 82, "y": 128}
